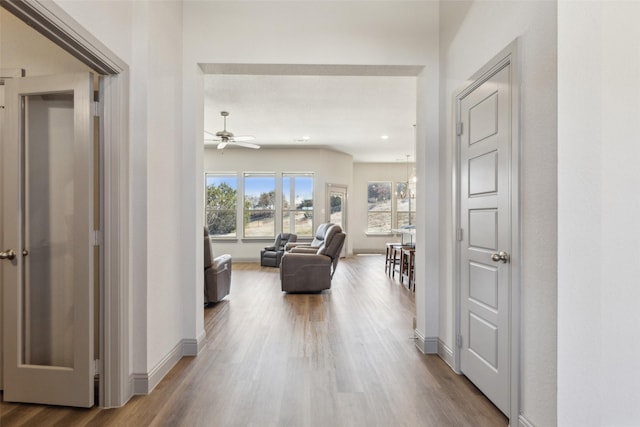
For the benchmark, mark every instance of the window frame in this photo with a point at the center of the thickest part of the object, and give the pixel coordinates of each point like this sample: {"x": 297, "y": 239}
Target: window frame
{"x": 390, "y": 211}
{"x": 234, "y": 211}
{"x": 410, "y": 197}
{"x": 246, "y": 211}
{"x": 287, "y": 213}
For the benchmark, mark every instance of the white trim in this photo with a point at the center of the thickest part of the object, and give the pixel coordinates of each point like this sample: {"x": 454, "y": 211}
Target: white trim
{"x": 508, "y": 55}
{"x": 446, "y": 354}
{"x": 523, "y": 422}
{"x": 192, "y": 346}
{"x": 144, "y": 383}
{"x": 115, "y": 301}
{"x": 427, "y": 345}
{"x": 54, "y": 23}
{"x": 140, "y": 384}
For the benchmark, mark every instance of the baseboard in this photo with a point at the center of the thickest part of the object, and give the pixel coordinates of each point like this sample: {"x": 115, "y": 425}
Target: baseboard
{"x": 446, "y": 354}
{"x": 144, "y": 383}
{"x": 426, "y": 345}
{"x": 368, "y": 252}
{"x": 192, "y": 347}
{"x": 140, "y": 384}
{"x": 523, "y": 422}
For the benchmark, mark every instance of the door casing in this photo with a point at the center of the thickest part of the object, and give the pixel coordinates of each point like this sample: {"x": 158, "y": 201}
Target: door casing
{"x": 507, "y": 56}
{"x": 342, "y": 189}
{"x": 54, "y": 23}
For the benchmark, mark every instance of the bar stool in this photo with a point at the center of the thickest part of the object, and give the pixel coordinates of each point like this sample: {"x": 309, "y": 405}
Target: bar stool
{"x": 392, "y": 257}
{"x": 407, "y": 269}
{"x": 396, "y": 261}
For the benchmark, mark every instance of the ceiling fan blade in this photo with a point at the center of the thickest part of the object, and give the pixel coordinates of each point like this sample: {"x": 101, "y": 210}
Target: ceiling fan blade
{"x": 246, "y": 144}
{"x": 222, "y": 145}
{"x": 209, "y": 133}
{"x": 244, "y": 138}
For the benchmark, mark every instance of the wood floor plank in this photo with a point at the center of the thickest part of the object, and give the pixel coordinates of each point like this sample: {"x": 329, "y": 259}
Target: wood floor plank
{"x": 343, "y": 357}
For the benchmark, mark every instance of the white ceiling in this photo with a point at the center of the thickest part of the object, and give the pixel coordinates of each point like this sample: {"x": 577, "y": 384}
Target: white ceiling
{"x": 347, "y": 113}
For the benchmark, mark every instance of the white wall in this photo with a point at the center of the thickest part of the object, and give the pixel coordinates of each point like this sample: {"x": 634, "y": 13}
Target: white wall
{"x": 328, "y": 167}
{"x": 168, "y": 271}
{"x": 147, "y": 35}
{"x": 363, "y": 173}
{"x": 471, "y": 34}
{"x": 598, "y": 207}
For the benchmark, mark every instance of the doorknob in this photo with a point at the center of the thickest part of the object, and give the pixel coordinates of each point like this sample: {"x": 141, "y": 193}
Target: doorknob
{"x": 500, "y": 256}
{"x": 8, "y": 254}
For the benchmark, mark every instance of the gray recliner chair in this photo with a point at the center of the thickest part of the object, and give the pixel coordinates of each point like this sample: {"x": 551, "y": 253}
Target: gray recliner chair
{"x": 305, "y": 272}
{"x": 271, "y": 255}
{"x": 310, "y": 247}
{"x": 217, "y": 273}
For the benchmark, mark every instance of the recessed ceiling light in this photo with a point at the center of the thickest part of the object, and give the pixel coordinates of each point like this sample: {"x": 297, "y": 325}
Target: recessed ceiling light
{"x": 384, "y": 137}
{"x": 303, "y": 139}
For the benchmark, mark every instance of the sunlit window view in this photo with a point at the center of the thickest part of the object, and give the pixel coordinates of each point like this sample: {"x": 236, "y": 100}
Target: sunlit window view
{"x": 379, "y": 207}
{"x": 337, "y": 208}
{"x": 297, "y": 204}
{"x": 259, "y": 205}
{"x": 405, "y": 205}
{"x": 220, "y": 205}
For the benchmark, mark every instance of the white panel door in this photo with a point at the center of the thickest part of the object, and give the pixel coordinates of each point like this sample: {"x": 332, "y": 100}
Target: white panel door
{"x": 485, "y": 199}
{"x": 47, "y": 240}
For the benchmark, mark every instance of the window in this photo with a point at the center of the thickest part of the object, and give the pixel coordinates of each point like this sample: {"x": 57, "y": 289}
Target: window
{"x": 220, "y": 204}
{"x": 297, "y": 204}
{"x": 405, "y": 205}
{"x": 259, "y": 205}
{"x": 379, "y": 207}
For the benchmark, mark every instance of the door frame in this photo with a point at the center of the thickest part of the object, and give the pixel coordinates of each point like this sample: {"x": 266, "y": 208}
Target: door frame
{"x": 55, "y": 24}
{"x": 345, "y": 207}
{"x": 509, "y": 55}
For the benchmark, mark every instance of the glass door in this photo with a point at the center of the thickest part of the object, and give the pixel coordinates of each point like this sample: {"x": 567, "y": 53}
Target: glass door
{"x": 337, "y": 208}
{"x": 48, "y": 246}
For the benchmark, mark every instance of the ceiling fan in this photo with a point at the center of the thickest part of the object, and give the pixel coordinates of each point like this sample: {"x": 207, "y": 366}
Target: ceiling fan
{"x": 224, "y": 137}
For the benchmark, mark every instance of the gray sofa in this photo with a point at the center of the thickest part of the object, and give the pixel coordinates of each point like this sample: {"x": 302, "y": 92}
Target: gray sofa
{"x": 217, "y": 273}
{"x": 312, "y": 272}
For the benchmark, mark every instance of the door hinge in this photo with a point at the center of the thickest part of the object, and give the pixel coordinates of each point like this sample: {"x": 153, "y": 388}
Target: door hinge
{"x": 96, "y": 367}
{"x": 459, "y": 234}
{"x": 459, "y": 128}
{"x": 459, "y": 340}
{"x": 97, "y": 238}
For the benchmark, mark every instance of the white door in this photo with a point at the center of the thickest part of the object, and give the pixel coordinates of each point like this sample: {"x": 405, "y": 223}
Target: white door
{"x": 337, "y": 208}
{"x": 485, "y": 199}
{"x": 47, "y": 240}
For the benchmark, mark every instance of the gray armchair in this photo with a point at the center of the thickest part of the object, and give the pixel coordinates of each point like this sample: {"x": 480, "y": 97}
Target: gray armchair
{"x": 271, "y": 255}
{"x": 217, "y": 273}
{"x": 310, "y": 247}
{"x": 305, "y": 272}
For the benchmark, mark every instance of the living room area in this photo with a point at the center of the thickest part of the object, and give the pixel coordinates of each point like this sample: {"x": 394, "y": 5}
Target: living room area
{"x": 337, "y": 127}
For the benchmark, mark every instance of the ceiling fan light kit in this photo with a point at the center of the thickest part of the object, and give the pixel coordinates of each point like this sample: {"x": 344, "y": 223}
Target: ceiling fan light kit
{"x": 224, "y": 137}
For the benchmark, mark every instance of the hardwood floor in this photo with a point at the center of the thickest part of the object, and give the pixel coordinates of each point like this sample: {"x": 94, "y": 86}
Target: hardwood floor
{"x": 345, "y": 357}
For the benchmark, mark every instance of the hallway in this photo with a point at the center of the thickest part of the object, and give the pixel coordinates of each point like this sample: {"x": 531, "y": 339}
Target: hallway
{"x": 341, "y": 358}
